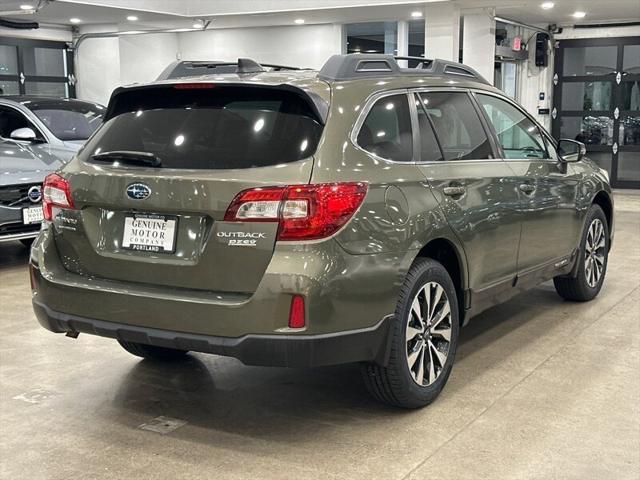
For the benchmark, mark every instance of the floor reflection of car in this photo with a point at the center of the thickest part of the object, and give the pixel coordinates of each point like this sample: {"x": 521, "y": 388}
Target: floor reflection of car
{"x": 38, "y": 135}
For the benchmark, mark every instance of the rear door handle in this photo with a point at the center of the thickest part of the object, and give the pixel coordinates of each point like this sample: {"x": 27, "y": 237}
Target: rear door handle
{"x": 454, "y": 191}
{"x": 527, "y": 187}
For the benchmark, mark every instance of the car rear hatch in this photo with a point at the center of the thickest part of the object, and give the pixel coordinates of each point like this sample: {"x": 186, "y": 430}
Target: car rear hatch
{"x": 150, "y": 189}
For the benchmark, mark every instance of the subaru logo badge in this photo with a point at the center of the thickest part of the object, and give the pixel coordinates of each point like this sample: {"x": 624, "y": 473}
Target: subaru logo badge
{"x": 35, "y": 193}
{"x": 138, "y": 191}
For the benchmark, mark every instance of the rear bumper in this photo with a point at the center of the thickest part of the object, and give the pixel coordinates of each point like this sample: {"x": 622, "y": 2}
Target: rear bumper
{"x": 367, "y": 344}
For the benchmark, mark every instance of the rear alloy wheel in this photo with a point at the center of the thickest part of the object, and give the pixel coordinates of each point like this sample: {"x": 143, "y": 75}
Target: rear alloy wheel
{"x": 424, "y": 339}
{"x": 592, "y": 260}
{"x": 428, "y": 334}
{"x": 153, "y": 352}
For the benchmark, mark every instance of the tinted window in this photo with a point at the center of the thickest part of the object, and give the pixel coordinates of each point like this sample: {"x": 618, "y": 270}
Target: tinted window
{"x": 518, "y": 135}
{"x": 429, "y": 148}
{"x": 457, "y": 126}
{"x": 211, "y": 128}
{"x": 386, "y": 131}
{"x": 11, "y": 120}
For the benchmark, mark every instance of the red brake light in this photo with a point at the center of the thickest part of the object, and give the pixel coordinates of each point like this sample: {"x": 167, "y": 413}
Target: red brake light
{"x": 193, "y": 86}
{"x": 296, "y": 313}
{"x": 56, "y": 192}
{"x": 304, "y": 212}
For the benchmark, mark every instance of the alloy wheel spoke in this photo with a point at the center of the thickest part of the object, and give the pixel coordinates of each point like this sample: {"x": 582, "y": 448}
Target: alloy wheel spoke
{"x": 442, "y": 358}
{"x": 432, "y": 369}
{"x": 443, "y": 313}
{"x": 413, "y": 332}
{"x": 415, "y": 353}
{"x": 436, "y": 300}
{"x": 444, "y": 333}
{"x": 420, "y": 372}
{"x": 416, "y": 308}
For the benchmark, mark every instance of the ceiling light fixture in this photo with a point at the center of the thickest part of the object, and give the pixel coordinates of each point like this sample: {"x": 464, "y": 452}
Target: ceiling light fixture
{"x": 579, "y": 14}
{"x": 132, "y": 18}
{"x": 26, "y": 7}
{"x": 547, "y": 5}
{"x": 299, "y": 21}
{"x": 416, "y": 14}
{"x": 75, "y": 20}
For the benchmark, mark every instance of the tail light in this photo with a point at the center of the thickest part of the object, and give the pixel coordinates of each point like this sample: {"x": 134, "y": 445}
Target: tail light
{"x": 56, "y": 192}
{"x": 304, "y": 212}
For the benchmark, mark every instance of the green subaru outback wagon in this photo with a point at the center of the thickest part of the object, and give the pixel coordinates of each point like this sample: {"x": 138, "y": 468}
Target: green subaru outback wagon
{"x": 360, "y": 213}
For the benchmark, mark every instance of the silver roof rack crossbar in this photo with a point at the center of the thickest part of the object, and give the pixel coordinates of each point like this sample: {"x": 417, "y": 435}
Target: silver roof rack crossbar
{"x": 358, "y": 65}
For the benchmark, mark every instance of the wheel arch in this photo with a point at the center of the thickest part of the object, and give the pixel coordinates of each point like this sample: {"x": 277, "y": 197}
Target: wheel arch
{"x": 452, "y": 258}
{"x": 604, "y": 201}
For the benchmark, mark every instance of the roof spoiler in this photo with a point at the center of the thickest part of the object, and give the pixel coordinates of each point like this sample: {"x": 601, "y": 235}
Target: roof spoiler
{"x": 359, "y": 65}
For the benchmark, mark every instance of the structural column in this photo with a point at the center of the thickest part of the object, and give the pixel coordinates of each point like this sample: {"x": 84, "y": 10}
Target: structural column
{"x": 442, "y": 31}
{"x": 479, "y": 43}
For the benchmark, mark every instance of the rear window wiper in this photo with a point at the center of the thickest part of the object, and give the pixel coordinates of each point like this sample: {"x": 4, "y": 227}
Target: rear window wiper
{"x": 128, "y": 157}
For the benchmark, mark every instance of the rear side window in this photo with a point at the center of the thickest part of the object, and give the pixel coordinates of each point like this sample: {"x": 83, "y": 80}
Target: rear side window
{"x": 518, "y": 135}
{"x": 457, "y": 126}
{"x": 429, "y": 148}
{"x": 211, "y": 128}
{"x": 386, "y": 132}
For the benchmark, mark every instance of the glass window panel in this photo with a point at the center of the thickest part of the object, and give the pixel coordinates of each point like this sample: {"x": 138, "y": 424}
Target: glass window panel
{"x": 457, "y": 126}
{"x": 630, "y": 131}
{"x": 588, "y": 130}
{"x": 631, "y": 59}
{"x": 631, "y": 95}
{"x": 603, "y": 159}
{"x": 51, "y": 89}
{"x": 416, "y": 40}
{"x": 589, "y": 61}
{"x": 587, "y": 96}
{"x": 429, "y": 149}
{"x": 8, "y": 60}
{"x": 386, "y": 132}
{"x": 517, "y": 134}
{"x": 629, "y": 166}
{"x": 373, "y": 37}
{"x": 9, "y": 88}
{"x": 44, "y": 61}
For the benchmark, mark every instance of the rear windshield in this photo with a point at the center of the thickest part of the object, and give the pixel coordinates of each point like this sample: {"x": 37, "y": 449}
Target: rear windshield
{"x": 211, "y": 128}
{"x": 69, "y": 120}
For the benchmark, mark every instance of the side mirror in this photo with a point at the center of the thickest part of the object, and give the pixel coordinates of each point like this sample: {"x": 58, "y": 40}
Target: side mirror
{"x": 24, "y": 134}
{"x": 571, "y": 150}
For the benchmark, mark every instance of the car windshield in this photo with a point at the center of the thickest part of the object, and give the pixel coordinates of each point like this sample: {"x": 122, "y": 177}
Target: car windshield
{"x": 69, "y": 120}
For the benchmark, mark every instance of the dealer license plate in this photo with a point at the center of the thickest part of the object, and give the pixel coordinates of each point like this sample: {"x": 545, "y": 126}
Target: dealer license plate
{"x": 150, "y": 233}
{"x": 32, "y": 215}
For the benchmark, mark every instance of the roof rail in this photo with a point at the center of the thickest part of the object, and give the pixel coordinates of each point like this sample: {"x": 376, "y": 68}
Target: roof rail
{"x": 187, "y": 68}
{"x": 358, "y": 65}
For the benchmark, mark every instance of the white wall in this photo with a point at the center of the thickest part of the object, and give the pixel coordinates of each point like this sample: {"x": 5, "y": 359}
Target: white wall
{"x": 479, "y": 45}
{"x": 143, "y": 57}
{"x": 305, "y": 45}
{"x": 97, "y": 65}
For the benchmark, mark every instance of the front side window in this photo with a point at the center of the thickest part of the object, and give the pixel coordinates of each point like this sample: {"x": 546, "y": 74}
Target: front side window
{"x": 11, "y": 120}
{"x": 457, "y": 125}
{"x": 517, "y": 134}
{"x": 386, "y": 132}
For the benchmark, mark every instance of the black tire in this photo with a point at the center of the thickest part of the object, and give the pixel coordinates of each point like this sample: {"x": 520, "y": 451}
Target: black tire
{"x": 394, "y": 383}
{"x": 153, "y": 352}
{"x": 578, "y": 288}
{"x": 27, "y": 242}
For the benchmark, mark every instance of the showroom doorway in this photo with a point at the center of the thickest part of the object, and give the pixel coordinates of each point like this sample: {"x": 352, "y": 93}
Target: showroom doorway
{"x": 597, "y": 101}
{"x": 36, "y": 67}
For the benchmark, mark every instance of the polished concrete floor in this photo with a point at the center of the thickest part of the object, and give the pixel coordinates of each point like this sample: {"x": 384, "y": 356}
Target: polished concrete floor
{"x": 542, "y": 389}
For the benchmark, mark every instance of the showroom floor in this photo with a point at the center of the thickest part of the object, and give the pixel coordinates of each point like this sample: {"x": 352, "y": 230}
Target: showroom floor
{"x": 542, "y": 388}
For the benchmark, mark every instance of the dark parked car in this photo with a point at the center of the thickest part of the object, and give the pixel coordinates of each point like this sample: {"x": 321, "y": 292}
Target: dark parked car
{"x": 38, "y": 135}
{"x": 360, "y": 213}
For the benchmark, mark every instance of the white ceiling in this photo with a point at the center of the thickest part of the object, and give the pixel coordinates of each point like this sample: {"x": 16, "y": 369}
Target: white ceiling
{"x": 235, "y": 13}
